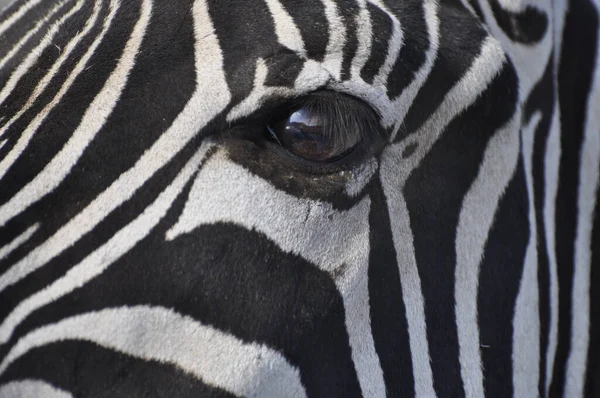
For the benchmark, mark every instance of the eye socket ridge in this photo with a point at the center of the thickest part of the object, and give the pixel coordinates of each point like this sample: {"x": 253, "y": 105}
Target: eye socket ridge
{"x": 326, "y": 127}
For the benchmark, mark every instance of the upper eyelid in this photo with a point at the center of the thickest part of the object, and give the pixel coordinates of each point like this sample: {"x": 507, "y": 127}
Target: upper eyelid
{"x": 314, "y": 99}
{"x": 281, "y": 106}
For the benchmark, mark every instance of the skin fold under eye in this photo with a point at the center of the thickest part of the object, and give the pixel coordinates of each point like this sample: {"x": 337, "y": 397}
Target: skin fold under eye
{"x": 326, "y": 127}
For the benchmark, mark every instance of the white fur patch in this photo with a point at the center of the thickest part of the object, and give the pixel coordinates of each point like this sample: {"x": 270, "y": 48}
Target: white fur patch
{"x": 156, "y": 333}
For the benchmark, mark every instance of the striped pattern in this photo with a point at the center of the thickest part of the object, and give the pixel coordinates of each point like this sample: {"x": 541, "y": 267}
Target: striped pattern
{"x": 153, "y": 242}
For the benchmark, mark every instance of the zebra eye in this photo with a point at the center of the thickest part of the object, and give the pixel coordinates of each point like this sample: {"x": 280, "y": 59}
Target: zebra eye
{"x": 313, "y": 136}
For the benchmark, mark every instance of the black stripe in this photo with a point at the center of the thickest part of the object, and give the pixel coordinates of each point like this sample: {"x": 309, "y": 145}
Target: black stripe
{"x": 237, "y": 281}
{"x": 38, "y": 155}
{"x": 461, "y": 37}
{"x": 159, "y": 86}
{"x": 382, "y": 28}
{"x": 87, "y": 370}
{"x": 64, "y": 118}
{"x": 499, "y": 282}
{"x": 246, "y": 34}
{"x": 10, "y": 9}
{"x": 48, "y": 57}
{"x": 284, "y": 69}
{"x": 528, "y": 26}
{"x": 349, "y": 12}
{"x": 87, "y": 244}
{"x": 388, "y": 314}
{"x": 19, "y": 29}
{"x": 434, "y": 194}
{"x": 542, "y": 99}
{"x": 416, "y": 41}
{"x": 575, "y": 77}
{"x": 309, "y": 17}
{"x": 477, "y": 8}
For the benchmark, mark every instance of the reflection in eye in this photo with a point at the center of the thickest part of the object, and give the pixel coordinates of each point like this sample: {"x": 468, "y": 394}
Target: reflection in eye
{"x": 304, "y": 134}
{"x": 324, "y": 129}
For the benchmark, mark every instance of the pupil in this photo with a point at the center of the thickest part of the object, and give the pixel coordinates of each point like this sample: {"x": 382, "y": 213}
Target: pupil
{"x": 304, "y": 136}
{"x": 303, "y": 126}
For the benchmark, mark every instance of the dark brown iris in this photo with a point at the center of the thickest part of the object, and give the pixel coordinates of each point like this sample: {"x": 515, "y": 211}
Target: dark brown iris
{"x": 306, "y": 134}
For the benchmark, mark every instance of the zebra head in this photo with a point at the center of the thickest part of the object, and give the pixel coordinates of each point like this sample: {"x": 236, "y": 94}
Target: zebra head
{"x": 280, "y": 198}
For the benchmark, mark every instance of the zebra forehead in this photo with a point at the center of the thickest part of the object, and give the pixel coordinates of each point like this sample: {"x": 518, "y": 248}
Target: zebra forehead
{"x": 379, "y": 52}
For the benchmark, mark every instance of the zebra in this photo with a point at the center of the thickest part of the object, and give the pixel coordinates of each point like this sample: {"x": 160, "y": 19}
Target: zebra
{"x": 325, "y": 198}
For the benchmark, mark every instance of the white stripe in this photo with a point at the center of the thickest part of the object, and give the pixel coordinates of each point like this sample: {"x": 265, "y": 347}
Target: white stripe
{"x": 102, "y": 258}
{"x": 364, "y": 37}
{"x": 287, "y": 32}
{"x": 18, "y": 241}
{"x": 589, "y": 175}
{"x": 210, "y": 98}
{"x": 10, "y": 21}
{"x": 408, "y": 95}
{"x": 395, "y": 44}
{"x": 516, "y": 6}
{"x": 374, "y": 94}
{"x": 474, "y": 224}
{"x": 31, "y": 389}
{"x": 224, "y": 191}
{"x": 312, "y": 76}
{"x": 30, "y": 33}
{"x": 155, "y": 333}
{"x": 469, "y": 7}
{"x": 41, "y": 86}
{"x": 34, "y": 55}
{"x": 361, "y": 176}
{"x": 334, "y": 53}
{"x": 520, "y": 54}
{"x": 484, "y": 68}
{"x": 410, "y": 281}
{"x": 551, "y": 171}
{"x": 551, "y": 161}
{"x": 358, "y": 324}
{"x": 330, "y": 239}
{"x": 526, "y": 321}
{"x": 93, "y": 120}
{"x": 257, "y": 95}
{"x": 395, "y": 170}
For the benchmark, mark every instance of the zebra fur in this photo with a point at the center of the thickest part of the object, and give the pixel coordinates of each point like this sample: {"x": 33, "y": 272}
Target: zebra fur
{"x": 155, "y": 242}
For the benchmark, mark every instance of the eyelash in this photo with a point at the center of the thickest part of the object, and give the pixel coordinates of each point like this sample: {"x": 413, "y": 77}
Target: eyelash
{"x": 343, "y": 120}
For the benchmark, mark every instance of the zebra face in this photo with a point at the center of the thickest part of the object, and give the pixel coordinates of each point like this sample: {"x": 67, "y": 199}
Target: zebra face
{"x": 271, "y": 198}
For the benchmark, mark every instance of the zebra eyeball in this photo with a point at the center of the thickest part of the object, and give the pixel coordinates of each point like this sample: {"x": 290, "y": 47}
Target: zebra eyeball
{"x": 314, "y": 136}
